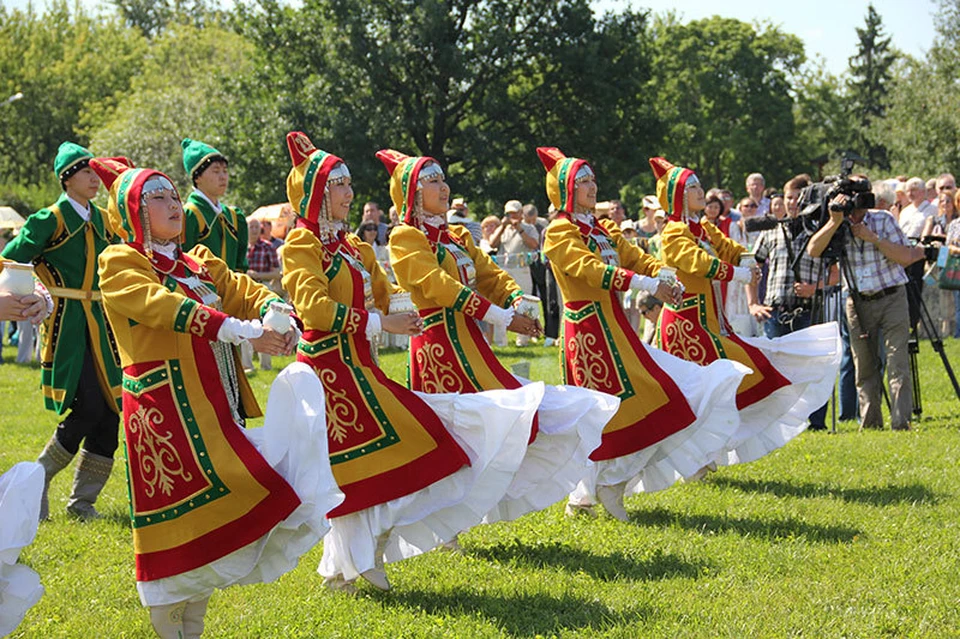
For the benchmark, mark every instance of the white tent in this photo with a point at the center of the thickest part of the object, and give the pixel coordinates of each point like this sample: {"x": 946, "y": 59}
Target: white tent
{"x": 10, "y": 219}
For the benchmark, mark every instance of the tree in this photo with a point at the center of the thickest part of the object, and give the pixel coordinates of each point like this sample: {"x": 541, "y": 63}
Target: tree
{"x": 723, "y": 87}
{"x": 870, "y": 76}
{"x": 477, "y": 85}
{"x": 66, "y": 63}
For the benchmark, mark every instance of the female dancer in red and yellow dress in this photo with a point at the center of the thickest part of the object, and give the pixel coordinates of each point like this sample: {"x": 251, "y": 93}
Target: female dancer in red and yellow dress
{"x": 453, "y": 284}
{"x": 789, "y": 376}
{"x": 673, "y": 416}
{"x": 415, "y": 469}
{"x": 212, "y": 504}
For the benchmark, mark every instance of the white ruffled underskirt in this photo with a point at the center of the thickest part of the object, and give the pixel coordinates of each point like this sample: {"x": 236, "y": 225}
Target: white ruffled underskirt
{"x": 711, "y": 393}
{"x": 810, "y": 359}
{"x": 293, "y": 440}
{"x": 571, "y": 422}
{"x": 20, "y": 491}
{"x": 493, "y": 428}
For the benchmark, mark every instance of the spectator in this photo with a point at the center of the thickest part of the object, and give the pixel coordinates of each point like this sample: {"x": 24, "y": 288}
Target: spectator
{"x": 946, "y": 182}
{"x": 650, "y": 308}
{"x": 900, "y": 191}
{"x": 372, "y": 213}
{"x": 953, "y": 246}
{"x": 266, "y": 233}
{"x": 938, "y": 225}
{"x": 877, "y": 252}
{"x": 931, "y": 187}
{"x": 912, "y": 219}
{"x": 617, "y": 212}
{"x": 538, "y": 268}
{"x": 755, "y": 184}
{"x": 885, "y": 194}
{"x": 264, "y": 267}
{"x": 487, "y": 227}
{"x": 516, "y": 242}
{"x": 792, "y": 190}
{"x": 653, "y": 244}
{"x": 459, "y": 213}
{"x": 726, "y": 197}
{"x": 647, "y": 225}
{"x": 778, "y": 207}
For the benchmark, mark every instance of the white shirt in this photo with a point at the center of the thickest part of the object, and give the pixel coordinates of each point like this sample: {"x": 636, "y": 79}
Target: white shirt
{"x": 82, "y": 211}
{"x": 912, "y": 218}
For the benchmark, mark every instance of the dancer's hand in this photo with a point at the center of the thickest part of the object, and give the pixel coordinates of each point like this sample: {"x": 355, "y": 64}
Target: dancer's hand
{"x": 36, "y": 309}
{"x": 669, "y": 294}
{"x": 525, "y": 325}
{"x": 402, "y": 324}
{"x": 761, "y": 312}
{"x": 274, "y": 343}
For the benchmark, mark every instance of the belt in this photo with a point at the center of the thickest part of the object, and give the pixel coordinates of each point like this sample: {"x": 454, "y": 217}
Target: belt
{"x": 870, "y": 297}
{"x": 74, "y": 293}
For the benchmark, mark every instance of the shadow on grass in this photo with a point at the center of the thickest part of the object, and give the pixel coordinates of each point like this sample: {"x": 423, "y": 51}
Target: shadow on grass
{"x": 606, "y": 567}
{"x": 764, "y": 529}
{"x": 873, "y": 496}
{"x": 519, "y": 615}
{"x": 119, "y": 518}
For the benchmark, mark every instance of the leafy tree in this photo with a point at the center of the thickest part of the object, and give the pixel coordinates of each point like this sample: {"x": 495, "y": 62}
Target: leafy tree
{"x": 824, "y": 126}
{"x": 65, "y": 61}
{"x": 870, "y": 75}
{"x": 723, "y": 88}
{"x": 477, "y": 85}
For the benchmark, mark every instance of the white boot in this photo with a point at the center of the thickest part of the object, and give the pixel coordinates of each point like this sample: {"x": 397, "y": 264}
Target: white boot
{"x": 193, "y": 615}
{"x": 168, "y": 620}
{"x": 611, "y": 496}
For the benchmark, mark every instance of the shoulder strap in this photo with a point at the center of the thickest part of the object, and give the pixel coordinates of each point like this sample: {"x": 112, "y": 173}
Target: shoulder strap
{"x": 60, "y": 235}
{"x": 202, "y": 229}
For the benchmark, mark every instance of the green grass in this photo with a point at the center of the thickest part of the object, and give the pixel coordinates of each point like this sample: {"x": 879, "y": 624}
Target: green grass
{"x": 846, "y": 535}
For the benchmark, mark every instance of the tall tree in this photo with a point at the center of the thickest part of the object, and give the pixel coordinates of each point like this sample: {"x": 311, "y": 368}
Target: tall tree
{"x": 477, "y": 85}
{"x": 723, "y": 87}
{"x": 870, "y": 77}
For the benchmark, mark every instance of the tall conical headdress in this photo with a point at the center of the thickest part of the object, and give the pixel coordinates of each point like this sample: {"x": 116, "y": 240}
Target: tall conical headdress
{"x": 561, "y": 176}
{"x": 404, "y": 173}
{"x": 671, "y": 182}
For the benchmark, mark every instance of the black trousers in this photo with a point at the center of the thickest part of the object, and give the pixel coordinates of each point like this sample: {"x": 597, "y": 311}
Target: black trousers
{"x": 915, "y": 274}
{"x": 551, "y": 303}
{"x": 90, "y": 421}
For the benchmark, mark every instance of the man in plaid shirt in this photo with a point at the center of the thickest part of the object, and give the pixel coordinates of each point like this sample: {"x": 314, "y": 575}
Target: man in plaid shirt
{"x": 263, "y": 266}
{"x": 788, "y": 302}
{"x": 876, "y": 252}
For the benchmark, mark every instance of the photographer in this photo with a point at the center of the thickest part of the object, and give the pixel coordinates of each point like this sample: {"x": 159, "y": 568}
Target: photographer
{"x": 792, "y": 284}
{"x": 876, "y": 252}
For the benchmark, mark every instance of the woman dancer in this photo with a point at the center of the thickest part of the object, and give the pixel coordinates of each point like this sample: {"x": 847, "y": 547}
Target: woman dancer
{"x": 415, "y": 470}
{"x": 790, "y": 376}
{"x": 673, "y": 415}
{"x": 212, "y": 504}
{"x": 454, "y": 284}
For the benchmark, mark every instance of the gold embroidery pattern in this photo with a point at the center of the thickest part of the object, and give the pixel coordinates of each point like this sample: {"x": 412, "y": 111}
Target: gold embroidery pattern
{"x": 200, "y": 318}
{"x": 618, "y": 279}
{"x": 438, "y": 375}
{"x": 341, "y": 412}
{"x": 589, "y": 369}
{"x": 160, "y": 462}
{"x": 681, "y": 343}
{"x": 723, "y": 273}
{"x": 472, "y": 307}
{"x": 352, "y": 321}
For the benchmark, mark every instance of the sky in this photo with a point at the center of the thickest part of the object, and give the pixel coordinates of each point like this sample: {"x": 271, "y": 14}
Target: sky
{"x": 825, "y": 26}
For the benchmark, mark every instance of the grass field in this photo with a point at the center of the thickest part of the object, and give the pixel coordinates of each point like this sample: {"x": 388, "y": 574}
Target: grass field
{"x": 835, "y": 535}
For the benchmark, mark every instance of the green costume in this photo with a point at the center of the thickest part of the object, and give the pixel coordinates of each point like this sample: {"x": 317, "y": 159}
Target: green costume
{"x": 64, "y": 249}
{"x": 224, "y": 233}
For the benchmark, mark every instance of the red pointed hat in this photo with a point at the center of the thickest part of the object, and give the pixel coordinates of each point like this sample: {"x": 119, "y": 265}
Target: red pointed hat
{"x": 671, "y": 182}
{"x": 404, "y": 172}
{"x": 308, "y": 177}
{"x": 561, "y": 176}
{"x": 125, "y": 183}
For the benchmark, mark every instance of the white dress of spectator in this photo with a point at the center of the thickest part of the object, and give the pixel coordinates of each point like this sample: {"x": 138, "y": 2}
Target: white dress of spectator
{"x": 914, "y": 215}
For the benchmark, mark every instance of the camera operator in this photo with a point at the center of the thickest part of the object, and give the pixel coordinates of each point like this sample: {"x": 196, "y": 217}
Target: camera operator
{"x": 876, "y": 253}
{"x": 791, "y": 284}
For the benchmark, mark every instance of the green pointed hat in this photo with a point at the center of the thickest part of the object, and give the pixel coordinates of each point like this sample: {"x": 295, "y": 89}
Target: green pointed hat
{"x": 197, "y": 156}
{"x": 71, "y": 157}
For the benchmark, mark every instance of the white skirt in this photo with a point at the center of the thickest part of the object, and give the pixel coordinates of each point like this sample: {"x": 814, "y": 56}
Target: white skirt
{"x": 20, "y": 589}
{"x": 571, "y": 422}
{"x": 293, "y": 440}
{"x": 810, "y": 359}
{"x": 493, "y": 428}
{"x": 711, "y": 392}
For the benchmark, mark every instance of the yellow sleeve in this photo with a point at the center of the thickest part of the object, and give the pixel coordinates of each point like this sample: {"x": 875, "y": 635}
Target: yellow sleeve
{"x": 493, "y": 282}
{"x": 566, "y": 250}
{"x": 727, "y": 249}
{"x": 242, "y": 296}
{"x": 631, "y": 257}
{"x": 131, "y": 288}
{"x": 309, "y": 287}
{"x": 379, "y": 281}
{"x": 680, "y": 250}
{"x": 417, "y": 271}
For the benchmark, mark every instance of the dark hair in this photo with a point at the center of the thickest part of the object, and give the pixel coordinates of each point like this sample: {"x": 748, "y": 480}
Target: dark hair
{"x": 367, "y": 226}
{"x": 713, "y": 199}
{"x": 206, "y": 164}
